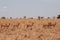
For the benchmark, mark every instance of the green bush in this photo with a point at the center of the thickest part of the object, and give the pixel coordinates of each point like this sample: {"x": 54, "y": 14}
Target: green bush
{"x": 58, "y": 16}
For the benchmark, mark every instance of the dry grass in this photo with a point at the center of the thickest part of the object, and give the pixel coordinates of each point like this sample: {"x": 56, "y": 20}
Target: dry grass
{"x": 29, "y": 29}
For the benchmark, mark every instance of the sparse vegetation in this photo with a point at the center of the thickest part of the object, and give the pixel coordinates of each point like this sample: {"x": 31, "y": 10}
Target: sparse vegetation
{"x": 54, "y": 17}
{"x": 42, "y": 17}
{"x": 31, "y": 18}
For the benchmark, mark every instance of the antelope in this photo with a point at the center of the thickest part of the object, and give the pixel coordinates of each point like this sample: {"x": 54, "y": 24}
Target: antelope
{"x": 49, "y": 25}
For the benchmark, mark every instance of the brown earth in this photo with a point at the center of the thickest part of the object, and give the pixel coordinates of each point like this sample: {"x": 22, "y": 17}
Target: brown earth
{"x": 29, "y": 29}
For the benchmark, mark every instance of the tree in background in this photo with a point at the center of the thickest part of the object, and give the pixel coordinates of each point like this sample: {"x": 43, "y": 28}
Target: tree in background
{"x": 10, "y": 17}
{"x": 58, "y": 16}
{"x": 31, "y": 18}
{"x": 24, "y": 16}
{"x": 39, "y": 17}
{"x": 48, "y": 17}
{"x": 3, "y": 18}
{"x": 42, "y": 17}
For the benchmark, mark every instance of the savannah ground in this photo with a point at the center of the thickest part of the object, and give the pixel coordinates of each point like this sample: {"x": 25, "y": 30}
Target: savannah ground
{"x": 29, "y": 29}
